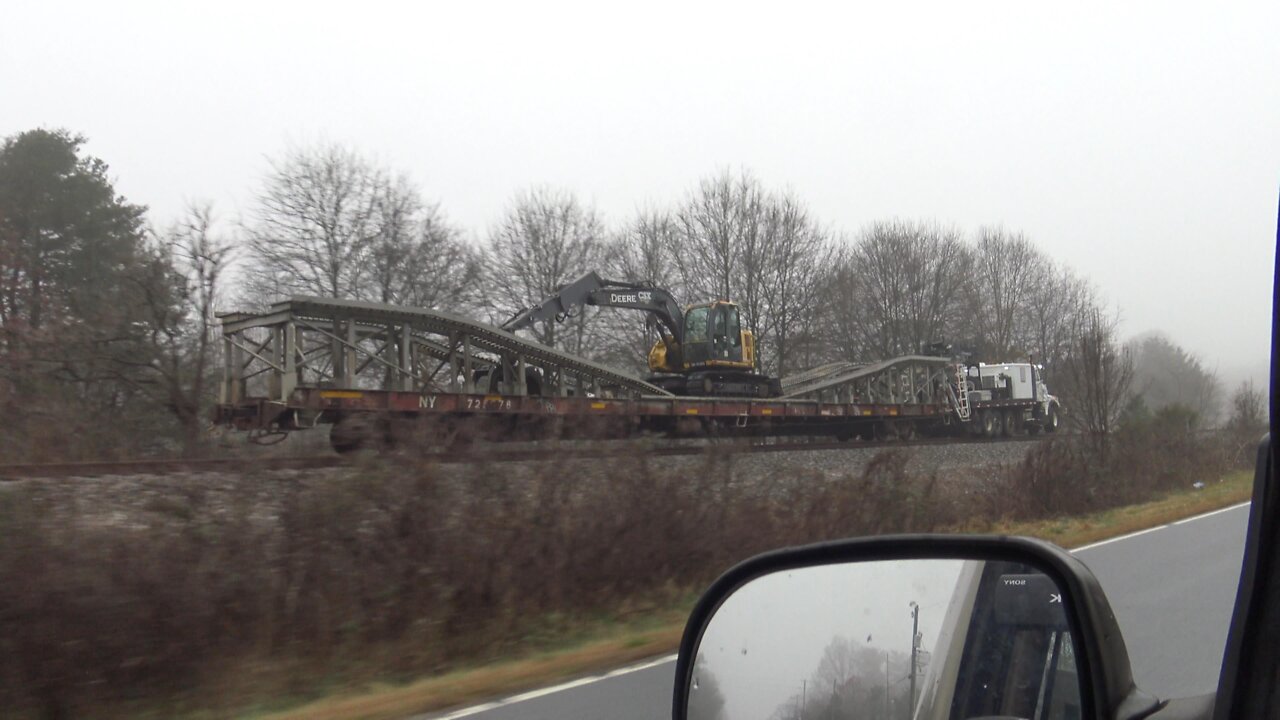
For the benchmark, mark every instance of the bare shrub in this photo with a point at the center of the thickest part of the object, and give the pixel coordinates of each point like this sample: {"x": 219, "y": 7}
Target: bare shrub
{"x": 1057, "y": 477}
{"x": 1097, "y": 375}
{"x": 1064, "y": 475}
{"x": 1248, "y": 410}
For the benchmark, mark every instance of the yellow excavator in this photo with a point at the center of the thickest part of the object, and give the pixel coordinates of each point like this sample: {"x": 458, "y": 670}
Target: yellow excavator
{"x": 702, "y": 350}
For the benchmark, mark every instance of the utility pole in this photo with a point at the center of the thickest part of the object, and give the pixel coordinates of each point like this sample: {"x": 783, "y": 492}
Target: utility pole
{"x": 886, "y": 685}
{"x": 915, "y": 647}
{"x": 804, "y": 687}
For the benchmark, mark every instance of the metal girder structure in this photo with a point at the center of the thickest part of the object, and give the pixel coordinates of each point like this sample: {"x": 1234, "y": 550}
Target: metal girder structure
{"x": 907, "y": 380}
{"x": 806, "y": 377}
{"x": 353, "y": 345}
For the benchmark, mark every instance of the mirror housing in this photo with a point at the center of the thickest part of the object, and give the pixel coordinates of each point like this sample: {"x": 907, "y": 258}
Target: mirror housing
{"x": 1107, "y": 688}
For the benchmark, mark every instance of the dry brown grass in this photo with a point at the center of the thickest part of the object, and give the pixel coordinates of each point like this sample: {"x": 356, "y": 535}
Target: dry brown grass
{"x": 1072, "y": 532}
{"x": 475, "y": 685}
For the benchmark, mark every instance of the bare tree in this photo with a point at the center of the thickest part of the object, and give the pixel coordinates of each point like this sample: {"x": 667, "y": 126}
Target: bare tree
{"x": 416, "y": 257}
{"x": 646, "y": 250}
{"x": 843, "y": 326}
{"x": 329, "y": 222}
{"x": 901, "y": 285}
{"x": 546, "y": 239}
{"x": 642, "y": 251}
{"x": 1059, "y": 297}
{"x": 313, "y": 228}
{"x": 908, "y": 279}
{"x": 1248, "y": 409}
{"x": 796, "y": 251}
{"x": 1006, "y": 270}
{"x": 440, "y": 270}
{"x": 719, "y": 248}
{"x": 1098, "y": 373}
{"x": 392, "y": 233}
{"x": 183, "y": 340}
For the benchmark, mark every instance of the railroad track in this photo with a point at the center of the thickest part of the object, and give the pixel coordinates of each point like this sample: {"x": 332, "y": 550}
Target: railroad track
{"x": 485, "y": 454}
{"x": 161, "y": 467}
{"x": 726, "y": 447}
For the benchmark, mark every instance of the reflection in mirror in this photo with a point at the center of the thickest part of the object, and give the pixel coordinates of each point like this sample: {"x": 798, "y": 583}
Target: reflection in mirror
{"x": 889, "y": 640}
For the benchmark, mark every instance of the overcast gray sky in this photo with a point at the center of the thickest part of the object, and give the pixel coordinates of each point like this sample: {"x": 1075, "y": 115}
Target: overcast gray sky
{"x": 1137, "y": 142}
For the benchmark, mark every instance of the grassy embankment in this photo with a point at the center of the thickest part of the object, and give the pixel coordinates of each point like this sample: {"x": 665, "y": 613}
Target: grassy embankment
{"x": 601, "y": 645}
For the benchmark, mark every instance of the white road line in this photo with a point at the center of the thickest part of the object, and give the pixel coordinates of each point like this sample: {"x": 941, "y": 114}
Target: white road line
{"x": 1210, "y": 514}
{"x": 642, "y": 666}
{"x": 1193, "y": 518}
{"x": 476, "y": 709}
{"x": 1100, "y": 543}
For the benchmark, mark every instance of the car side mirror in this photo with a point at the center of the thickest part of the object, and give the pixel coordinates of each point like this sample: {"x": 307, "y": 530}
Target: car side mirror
{"x": 935, "y": 627}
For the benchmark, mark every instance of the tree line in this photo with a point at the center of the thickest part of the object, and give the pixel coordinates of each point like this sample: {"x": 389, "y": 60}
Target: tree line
{"x": 107, "y": 319}
{"x": 329, "y": 222}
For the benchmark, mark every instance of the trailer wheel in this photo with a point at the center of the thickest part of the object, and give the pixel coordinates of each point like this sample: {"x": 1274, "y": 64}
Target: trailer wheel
{"x": 990, "y": 423}
{"x": 1012, "y": 425}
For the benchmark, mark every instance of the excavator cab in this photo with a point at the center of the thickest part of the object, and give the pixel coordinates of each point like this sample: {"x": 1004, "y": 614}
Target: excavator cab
{"x": 713, "y": 337}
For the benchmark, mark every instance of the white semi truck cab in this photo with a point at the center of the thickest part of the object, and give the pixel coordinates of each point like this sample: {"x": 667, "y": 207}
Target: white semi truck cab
{"x": 1009, "y": 399}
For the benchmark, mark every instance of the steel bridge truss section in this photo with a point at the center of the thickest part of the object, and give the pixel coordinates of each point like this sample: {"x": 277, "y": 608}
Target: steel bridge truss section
{"x": 907, "y": 380}
{"x": 804, "y": 378}
{"x": 310, "y": 342}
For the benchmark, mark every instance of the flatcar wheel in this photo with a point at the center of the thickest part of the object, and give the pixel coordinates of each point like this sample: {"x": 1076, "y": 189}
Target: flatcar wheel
{"x": 359, "y": 431}
{"x": 905, "y": 430}
{"x": 884, "y": 433}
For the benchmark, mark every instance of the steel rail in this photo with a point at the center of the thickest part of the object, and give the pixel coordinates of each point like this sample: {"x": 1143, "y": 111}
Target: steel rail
{"x": 484, "y": 453}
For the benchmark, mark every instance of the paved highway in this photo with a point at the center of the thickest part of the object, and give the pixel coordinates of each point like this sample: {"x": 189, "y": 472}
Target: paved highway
{"x": 1172, "y": 589}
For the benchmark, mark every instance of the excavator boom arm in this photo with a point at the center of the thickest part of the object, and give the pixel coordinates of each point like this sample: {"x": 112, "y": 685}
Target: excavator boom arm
{"x": 591, "y": 289}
